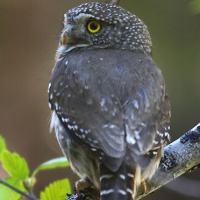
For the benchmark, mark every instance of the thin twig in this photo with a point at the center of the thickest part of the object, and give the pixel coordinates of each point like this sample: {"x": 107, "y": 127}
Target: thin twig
{"x": 115, "y": 2}
{"x": 29, "y": 196}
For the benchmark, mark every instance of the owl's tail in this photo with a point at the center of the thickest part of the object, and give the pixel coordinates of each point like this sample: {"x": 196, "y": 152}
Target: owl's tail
{"x": 120, "y": 185}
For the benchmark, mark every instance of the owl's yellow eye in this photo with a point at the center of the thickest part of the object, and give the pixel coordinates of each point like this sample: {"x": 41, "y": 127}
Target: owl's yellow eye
{"x": 93, "y": 26}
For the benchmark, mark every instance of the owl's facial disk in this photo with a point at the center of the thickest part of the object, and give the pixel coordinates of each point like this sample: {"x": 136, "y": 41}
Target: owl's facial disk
{"x": 75, "y": 32}
{"x": 86, "y": 30}
{"x": 67, "y": 36}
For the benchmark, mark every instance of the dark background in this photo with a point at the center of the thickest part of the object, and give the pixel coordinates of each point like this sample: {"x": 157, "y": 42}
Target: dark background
{"x": 29, "y": 32}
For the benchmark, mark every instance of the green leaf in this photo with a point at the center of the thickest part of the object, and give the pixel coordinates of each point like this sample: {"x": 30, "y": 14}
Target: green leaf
{"x": 7, "y": 193}
{"x": 2, "y": 144}
{"x": 51, "y": 164}
{"x": 15, "y": 165}
{"x": 194, "y": 7}
{"x": 56, "y": 190}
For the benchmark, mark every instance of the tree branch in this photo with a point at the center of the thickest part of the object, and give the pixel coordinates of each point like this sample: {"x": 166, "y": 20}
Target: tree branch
{"x": 180, "y": 156}
{"x": 115, "y": 2}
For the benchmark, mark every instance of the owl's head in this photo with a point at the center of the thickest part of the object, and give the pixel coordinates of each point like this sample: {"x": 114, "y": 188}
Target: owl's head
{"x": 103, "y": 25}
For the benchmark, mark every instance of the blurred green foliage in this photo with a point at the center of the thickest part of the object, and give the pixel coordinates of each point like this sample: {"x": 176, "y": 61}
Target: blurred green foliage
{"x": 19, "y": 179}
{"x": 195, "y": 6}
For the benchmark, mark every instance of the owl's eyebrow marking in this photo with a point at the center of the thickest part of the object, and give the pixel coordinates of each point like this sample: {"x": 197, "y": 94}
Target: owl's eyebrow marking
{"x": 83, "y": 16}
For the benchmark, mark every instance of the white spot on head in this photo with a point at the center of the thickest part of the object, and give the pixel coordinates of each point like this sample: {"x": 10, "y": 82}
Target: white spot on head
{"x": 76, "y": 127}
{"x": 51, "y": 96}
{"x": 83, "y": 136}
{"x": 66, "y": 63}
{"x": 70, "y": 127}
{"x": 49, "y": 87}
{"x": 65, "y": 119}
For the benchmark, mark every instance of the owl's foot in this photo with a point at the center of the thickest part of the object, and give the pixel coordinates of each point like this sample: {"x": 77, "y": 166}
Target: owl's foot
{"x": 84, "y": 190}
{"x": 83, "y": 185}
{"x": 143, "y": 185}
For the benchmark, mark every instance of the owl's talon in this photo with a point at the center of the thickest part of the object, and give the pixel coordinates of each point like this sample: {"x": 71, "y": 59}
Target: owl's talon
{"x": 68, "y": 194}
{"x": 144, "y": 188}
{"x": 84, "y": 194}
{"x": 72, "y": 197}
{"x": 82, "y": 185}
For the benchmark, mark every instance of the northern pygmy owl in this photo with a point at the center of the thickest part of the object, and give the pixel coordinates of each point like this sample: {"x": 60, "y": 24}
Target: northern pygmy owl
{"x": 110, "y": 108}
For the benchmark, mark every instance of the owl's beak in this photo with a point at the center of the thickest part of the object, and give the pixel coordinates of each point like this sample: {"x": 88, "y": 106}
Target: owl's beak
{"x": 65, "y": 38}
